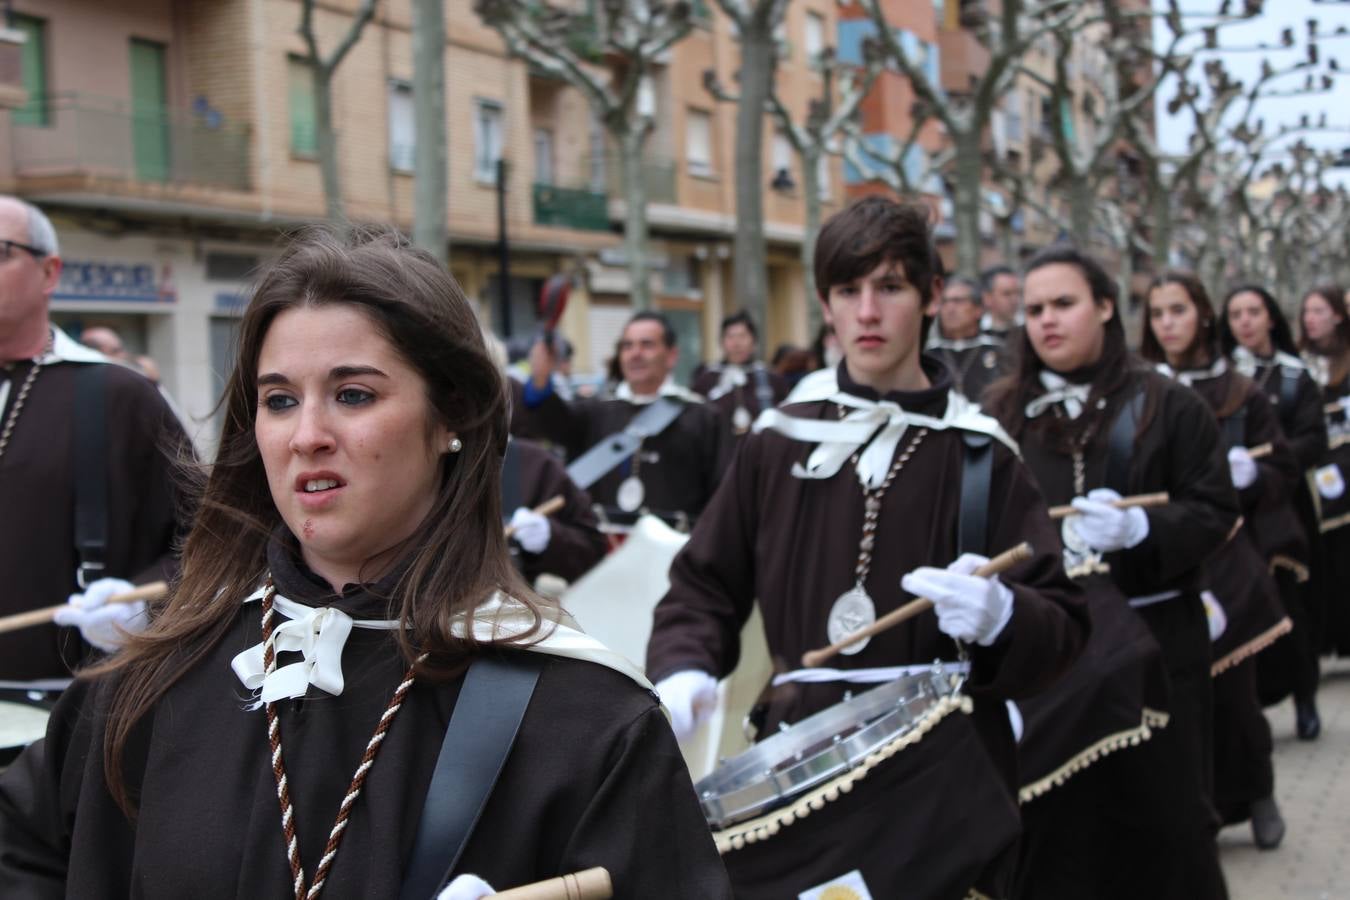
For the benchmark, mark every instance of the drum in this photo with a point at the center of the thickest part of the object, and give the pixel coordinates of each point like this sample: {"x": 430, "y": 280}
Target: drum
{"x": 23, "y": 718}
{"x": 1328, "y": 480}
{"x": 885, "y": 793}
{"x": 613, "y": 603}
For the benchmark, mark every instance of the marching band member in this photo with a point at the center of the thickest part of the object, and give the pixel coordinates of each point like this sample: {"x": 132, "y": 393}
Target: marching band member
{"x": 1002, "y": 302}
{"x": 1181, "y": 338}
{"x": 1094, "y": 426}
{"x": 1324, "y": 338}
{"x": 1254, "y": 334}
{"x": 675, "y": 466}
{"x": 971, "y": 355}
{"x": 853, "y": 490}
{"x": 567, "y": 542}
{"x": 740, "y": 387}
{"x": 348, "y": 570}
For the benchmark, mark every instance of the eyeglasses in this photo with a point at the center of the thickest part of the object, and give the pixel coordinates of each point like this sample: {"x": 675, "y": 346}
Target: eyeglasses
{"x": 953, "y": 299}
{"x": 7, "y": 249}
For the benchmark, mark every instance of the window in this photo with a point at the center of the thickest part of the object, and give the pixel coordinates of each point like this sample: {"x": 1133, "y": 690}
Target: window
{"x": 698, "y": 142}
{"x": 543, "y": 156}
{"x": 487, "y": 140}
{"x": 813, "y": 38}
{"x": 33, "y": 64}
{"x": 646, "y": 97}
{"x": 782, "y": 163}
{"x": 402, "y": 127}
{"x": 304, "y": 125}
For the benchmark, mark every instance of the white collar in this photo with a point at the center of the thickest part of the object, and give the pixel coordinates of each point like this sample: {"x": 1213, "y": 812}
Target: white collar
{"x": 1247, "y": 362}
{"x": 1189, "y": 377}
{"x": 668, "y": 389}
{"x": 66, "y": 349}
{"x": 887, "y": 420}
{"x": 320, "y": 634}
{"x": 957, "y": 345}
{"x": 1058, "y": 389}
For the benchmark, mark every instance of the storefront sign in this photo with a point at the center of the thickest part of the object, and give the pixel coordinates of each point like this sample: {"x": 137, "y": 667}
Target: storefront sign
{"x": 118, "y": 282}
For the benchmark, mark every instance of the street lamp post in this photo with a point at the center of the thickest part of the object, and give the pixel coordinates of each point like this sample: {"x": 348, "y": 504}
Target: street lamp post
{"x": 503, "y": 249}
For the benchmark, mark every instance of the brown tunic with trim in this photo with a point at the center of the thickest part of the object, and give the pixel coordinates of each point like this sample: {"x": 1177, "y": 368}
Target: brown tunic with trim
{"x": 793, "y": 543}
{"x": 707, "y": 382}
{"x": 594, "y": 779}
{"x": 37, "y": 503}
{"x": 575, "y": 542}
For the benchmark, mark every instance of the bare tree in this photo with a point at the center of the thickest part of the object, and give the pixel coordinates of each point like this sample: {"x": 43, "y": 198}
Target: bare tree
{"x": 757, "y": 22}
{"x": 430, "y": 157}
{"x": 323, "y": 68}
{"x": 813, "y": 139}
{"x": 607, "y": 57}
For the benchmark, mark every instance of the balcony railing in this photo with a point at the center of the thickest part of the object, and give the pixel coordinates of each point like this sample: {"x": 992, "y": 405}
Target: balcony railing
{"x": 570, "y": 208}
{"x": 114, "y": 139}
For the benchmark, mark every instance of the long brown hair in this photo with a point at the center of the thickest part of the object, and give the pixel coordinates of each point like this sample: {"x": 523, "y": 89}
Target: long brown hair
{"x": 1204, "y": 346}
{"x": 459, "y": 556}
{"x": 1337, "y": 351}
{"x": 1006, "y": 398}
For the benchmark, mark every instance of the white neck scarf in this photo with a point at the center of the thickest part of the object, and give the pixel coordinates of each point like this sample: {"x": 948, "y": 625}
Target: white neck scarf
{"x": 887, "y": 420}
{"x": 320, "y": 634}
{"x": 668, "y": 389}
{"x": 1189, "y": 377}
{"x": 1059, "y": 390}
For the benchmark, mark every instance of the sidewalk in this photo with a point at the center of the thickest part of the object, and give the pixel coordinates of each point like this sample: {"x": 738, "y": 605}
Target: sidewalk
{"x": 1312, "y": 785}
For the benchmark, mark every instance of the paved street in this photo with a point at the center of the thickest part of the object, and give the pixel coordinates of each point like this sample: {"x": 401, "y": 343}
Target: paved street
{"x": 1312, "y": 785}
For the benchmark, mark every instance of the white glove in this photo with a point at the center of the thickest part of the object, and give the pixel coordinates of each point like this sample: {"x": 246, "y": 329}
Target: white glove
{"x": 690, "y": 696}
{"x": 1015, "y": 721}
{"x": 103, "y": 624}
{"x": 969, "y": 608}
{"x": 466, "y": 887}
{"x": 532, "y": 530}
{"x": 1105, "y": 528}
{"x": 1214, "y": 615}
{"x": 1243, "y": 467}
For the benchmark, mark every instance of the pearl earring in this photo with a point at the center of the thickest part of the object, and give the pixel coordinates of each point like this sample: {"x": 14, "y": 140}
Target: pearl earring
{"x": 455, "y": 445}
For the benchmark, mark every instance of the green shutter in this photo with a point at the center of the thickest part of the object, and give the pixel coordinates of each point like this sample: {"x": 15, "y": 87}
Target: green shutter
{"x": 149, "y": 113}
{"x": 304, "y": 130}
{"x": 34, "y": 66}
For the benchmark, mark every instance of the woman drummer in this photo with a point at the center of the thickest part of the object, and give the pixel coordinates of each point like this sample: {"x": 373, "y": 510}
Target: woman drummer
{"x": 1255, "y": 336}
{"x": 1181, "y": 337}
{"x": 1094, "y": 425}
{"x": 346, "y": 566}
{"x": 1324, "y": 339}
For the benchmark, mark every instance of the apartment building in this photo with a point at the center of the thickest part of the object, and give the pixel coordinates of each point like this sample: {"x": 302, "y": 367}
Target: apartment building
{"x": 172, "y": 142}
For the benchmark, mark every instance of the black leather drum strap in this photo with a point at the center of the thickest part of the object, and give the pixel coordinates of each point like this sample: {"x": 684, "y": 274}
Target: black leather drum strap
{"x": 1120, "y": 446}
{"x": 91, "y": 473}
{"x": 977, "y": 472}
{"x": 511, "y": 480}
{"x": 1288, "y": 388}
{"x": 1235, "y": 429}
{"x": 477, "y": 742}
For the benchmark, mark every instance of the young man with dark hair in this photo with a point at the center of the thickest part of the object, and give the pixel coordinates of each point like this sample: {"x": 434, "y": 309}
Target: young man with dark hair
{"x": 740, "y": 387}
{"x": 875, "y": 483}
{"x": 650, "y": 447}
{"x": 971, "y": 356}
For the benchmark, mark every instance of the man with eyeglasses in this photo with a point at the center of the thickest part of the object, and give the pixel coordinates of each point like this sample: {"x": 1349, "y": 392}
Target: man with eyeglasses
{"x": 85, "y": 485}
{"x": 971, "y": 356}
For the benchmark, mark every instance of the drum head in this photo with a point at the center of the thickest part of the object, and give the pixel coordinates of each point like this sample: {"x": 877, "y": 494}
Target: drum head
{"x": 20, "y": 725}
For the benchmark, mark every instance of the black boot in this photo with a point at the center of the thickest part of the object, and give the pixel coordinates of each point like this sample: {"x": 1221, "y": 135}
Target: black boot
{"x": 1267, "y": 824}
{"x": 1307, "y": 723}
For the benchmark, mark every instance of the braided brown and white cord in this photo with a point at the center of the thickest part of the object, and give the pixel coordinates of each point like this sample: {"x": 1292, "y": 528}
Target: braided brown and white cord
{"x": 279, "y": 769}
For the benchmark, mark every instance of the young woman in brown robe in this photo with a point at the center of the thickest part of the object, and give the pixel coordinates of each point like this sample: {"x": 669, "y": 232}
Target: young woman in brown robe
{"x": 1181, "y": 338}
{"x": 1255, "y": 336}
{"x": 1095, "y": 425}
{"x": 347, "y": 565}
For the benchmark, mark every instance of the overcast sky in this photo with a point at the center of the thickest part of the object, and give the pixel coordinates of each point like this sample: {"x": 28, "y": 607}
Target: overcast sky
{"x": 1173, "y": 132}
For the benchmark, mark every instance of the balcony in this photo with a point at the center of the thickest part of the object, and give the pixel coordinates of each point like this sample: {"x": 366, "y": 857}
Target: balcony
{"x": 570, "y": 208}
{"x": 107, "y": 140}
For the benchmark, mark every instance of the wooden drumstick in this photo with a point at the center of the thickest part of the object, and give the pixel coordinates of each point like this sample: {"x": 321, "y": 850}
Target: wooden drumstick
{"x": 1006, "y": 560}
{"x": 152, "y": 591}
{"x": 1141, "y": 500}
{"x": 1261, "y": 450}
{"x": 589, "y": 884}
{"x": 547, "y": 508}
{"x": 1334, "y": 406}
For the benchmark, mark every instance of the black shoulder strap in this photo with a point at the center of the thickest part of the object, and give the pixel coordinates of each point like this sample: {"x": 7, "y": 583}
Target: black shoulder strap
{"x": 977, "y": 472}
{"x": 477, "y": 742}
{"x": 763, "y": 388}
{"x": 91, "y": 473}
{"x": 511, "y": 495}
{"x": 1235, "y": 428}
{"x": 1288, "y": 388}
{"x": 1120, "y": 444}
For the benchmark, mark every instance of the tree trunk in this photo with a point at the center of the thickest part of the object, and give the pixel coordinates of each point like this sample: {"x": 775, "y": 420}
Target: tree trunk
{"x": 1162, "y": 226}
{"x": 430, "y": 163}
{"x": 1008, "y": 243}
{"x": 635, "y": 241}
{"x": 1082, "y": 202}
{"x": 749, "y": 250}
{"x": 969, "y": 167}
{"x": 327, "y": 143}
{"x": 811, "y": 228}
